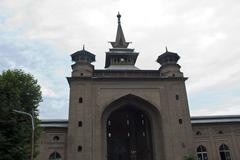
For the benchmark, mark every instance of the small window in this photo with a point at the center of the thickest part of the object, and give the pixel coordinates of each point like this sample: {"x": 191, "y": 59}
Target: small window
{"x": 180, "y": 121}
{"x": 177, "y": 97}
{"x": 220, "y": 132}
{"x": 79, "y": 123}
{"x": 82, "y": 74}
{"x": 202, "y": 153}
{"x": 79, "y": 148}
{"x": 80, "y": 100}
{"x": 56, "y": 138}
{"x": 198, "y": 133}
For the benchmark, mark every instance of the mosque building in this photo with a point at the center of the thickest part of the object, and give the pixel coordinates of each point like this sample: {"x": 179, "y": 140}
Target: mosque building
{"x": 125, "y": 113}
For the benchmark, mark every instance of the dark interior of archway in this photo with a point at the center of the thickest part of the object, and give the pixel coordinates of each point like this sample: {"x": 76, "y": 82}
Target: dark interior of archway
{"x": 129, "y": 135}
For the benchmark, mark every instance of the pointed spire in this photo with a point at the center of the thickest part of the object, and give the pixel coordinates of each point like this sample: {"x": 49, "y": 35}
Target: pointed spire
{"x": 120, "y": 41}
{"x": 83, "y": 47}
{"x": 166, "y": 49}
{"x": 119, "y": 18}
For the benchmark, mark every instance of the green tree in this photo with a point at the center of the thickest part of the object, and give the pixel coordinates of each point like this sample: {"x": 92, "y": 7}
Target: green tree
{"x": 189, "y": 157}
{"x": 19, "y": 91}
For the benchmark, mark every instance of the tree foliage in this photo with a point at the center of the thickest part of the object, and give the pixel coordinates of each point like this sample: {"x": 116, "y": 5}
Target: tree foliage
{"x": 189, "y": 157}
{"x": 19, "y": 91}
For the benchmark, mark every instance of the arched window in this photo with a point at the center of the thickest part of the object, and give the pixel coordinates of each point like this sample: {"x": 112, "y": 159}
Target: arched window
{"x": 224, "y": 152}
{"x": 202, "y": 153}
{"x": 56, "y": 138}
{"x": 55, "y": 156}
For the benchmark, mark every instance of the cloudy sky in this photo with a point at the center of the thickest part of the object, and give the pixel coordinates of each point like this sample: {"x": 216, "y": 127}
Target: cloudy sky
{"x": 40, "y": 36}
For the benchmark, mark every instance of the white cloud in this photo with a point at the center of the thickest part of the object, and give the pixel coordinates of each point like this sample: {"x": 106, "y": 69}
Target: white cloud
{"x": 47, "y": 92}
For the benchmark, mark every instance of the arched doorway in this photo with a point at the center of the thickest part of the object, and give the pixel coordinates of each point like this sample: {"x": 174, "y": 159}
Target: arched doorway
{"x": 128, "y": 133}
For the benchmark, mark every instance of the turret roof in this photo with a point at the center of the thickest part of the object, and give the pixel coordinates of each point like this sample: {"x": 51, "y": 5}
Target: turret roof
{"x": 83, "y": 53}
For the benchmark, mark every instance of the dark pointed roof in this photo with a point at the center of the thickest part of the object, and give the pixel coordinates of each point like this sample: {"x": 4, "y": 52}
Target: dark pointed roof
{"x": 168, "y": 58}
{"x": 120, "y": 41}
{"x": 83, "y": 55}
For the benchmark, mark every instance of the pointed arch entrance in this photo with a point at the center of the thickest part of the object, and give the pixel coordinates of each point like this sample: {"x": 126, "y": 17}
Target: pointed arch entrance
{"x": 131, "y": 129}
{"x": 129, "y": 135}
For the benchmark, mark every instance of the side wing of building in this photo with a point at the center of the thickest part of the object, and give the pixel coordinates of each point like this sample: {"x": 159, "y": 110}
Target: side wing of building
{"x": 53, "y": 141}
{"x": 216, "y": 137}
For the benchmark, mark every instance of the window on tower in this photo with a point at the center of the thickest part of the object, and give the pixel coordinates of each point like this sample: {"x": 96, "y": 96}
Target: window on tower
{"x": 80, "y": 100}
{"x": 79, "y": 148}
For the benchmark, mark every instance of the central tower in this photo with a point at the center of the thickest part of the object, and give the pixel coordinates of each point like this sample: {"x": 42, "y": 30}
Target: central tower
{"x": 120, "y": 57}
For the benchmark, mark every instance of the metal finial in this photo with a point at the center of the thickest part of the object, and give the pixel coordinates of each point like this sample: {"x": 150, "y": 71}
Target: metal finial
{"x": 166, "y": 49}
{"x": 83, "y": 46}
{"x": 119, "y": 17}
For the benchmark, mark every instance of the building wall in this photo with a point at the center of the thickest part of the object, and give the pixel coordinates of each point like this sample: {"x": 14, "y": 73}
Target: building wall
{"x": 213, "y": 135}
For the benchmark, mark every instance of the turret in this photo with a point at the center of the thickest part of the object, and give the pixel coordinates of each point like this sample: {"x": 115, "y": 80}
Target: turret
{"x": 82, "y": 66}
{"x": 169, "y": 66}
